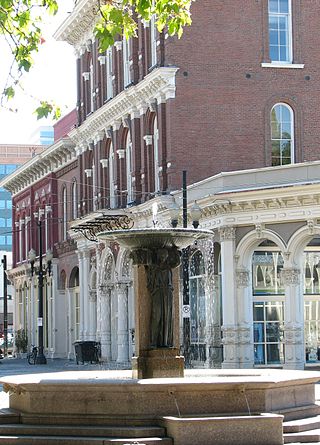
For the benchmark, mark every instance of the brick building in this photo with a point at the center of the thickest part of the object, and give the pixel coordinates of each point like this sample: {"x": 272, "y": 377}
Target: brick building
{"x": 234, "y": 103}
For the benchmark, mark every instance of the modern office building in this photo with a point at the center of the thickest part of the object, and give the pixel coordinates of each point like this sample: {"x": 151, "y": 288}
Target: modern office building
{"x": 234, "y": 103}
{"x": 44, "y": 135}
{"x": 12, "y": 156}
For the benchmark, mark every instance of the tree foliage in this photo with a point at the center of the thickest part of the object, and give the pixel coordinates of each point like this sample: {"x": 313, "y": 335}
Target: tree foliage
{"x": 21, "y": 26}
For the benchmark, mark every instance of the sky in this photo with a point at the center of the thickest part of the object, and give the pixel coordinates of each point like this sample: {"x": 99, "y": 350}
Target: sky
{"x": 53, "y": 77}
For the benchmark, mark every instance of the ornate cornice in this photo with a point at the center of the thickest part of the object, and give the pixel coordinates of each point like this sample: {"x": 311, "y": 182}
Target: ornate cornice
{"x": 160, "y": 83}
{"x": 52, "y": 159}
{"x": 77, "y": 28}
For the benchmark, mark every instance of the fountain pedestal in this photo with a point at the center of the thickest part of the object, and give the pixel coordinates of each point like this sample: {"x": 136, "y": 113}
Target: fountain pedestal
{"x": 150, "y": 361}
{"x": 155, "y": 255}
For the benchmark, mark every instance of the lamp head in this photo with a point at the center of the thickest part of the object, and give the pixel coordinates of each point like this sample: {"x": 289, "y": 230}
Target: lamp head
{"x": 195, "y": 213}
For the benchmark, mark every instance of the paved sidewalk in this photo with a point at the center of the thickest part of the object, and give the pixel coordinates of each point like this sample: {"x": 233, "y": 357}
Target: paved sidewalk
{"x": 15, "y": 366}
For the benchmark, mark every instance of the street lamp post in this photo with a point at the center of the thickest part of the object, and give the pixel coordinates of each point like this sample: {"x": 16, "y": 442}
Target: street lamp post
{"x": 40, "y": 272}
{"x": 5, "y": 305}
{"x": 195, "y": 214}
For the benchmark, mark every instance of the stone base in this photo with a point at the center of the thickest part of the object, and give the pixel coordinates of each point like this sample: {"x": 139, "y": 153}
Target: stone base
{"x": 158, "y": 363}
{"x": 264, "y": 429}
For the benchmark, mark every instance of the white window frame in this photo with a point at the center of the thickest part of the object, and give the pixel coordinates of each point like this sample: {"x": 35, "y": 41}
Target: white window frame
{"x": 289, "y": 34}
{"x": 111, "y": 178}
{"x": 74, "y": 200}
{"x": 156, "y": 155}
{"x": 94, "y": 187}
{"x": 126, "y": 62}
{"x": 264, "y": 299}
{"x": 109, "y": 64}
{"x": 292, "y": 154}
{"x": 129, "y": 169}
{"x": 26, "y": 238}
{"x": 153, "y": 40}
{"x": 92, "y": 92}
{"x": 64, "y": 214}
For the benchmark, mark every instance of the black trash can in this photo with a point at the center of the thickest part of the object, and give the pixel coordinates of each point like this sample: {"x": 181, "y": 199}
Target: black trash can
{"x": 87, "y": 351}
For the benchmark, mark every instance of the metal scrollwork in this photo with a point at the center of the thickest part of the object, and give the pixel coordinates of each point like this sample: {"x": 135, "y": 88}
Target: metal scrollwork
{"x": 90, "y": 229}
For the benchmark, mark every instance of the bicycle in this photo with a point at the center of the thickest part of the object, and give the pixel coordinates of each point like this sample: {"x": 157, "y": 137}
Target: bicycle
{"x": 32, "y": 355}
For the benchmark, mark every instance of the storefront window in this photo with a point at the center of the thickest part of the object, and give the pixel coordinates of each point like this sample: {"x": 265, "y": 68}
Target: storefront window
{"x": 268, "y": 333}
{"x": 268, "y": 312}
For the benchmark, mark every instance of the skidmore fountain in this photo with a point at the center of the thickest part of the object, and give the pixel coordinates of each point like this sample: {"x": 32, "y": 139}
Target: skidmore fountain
{"x": 158, "y": 402}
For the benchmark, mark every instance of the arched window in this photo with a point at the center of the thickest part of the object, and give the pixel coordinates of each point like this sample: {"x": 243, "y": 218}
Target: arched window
{"x": 92, "y": 89}
{"x": 126, "y": 62}
{"x": 268, "y": 304}
{"x": 94, "y": 187}
{"x": 129, "y": 168}
{"x": 282, "y": 134}
{"x": 153, "y": 40}
{"x": 74, "y": 192}
{"x": 109, "y": 73}
{"x": 156, "y": 155}
{"x": 64, "y": 214}
{"x": 280, "y": 31}
{"x": 111, "y": 178}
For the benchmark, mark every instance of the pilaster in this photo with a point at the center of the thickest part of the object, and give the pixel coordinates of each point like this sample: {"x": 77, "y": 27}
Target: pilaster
{"x": 293, "y": 319}
{"x": 105, "y": 292}
{"x": 123, "y": 335}
{"x": 228, "y": 279}
{"x": 245, "y": 317}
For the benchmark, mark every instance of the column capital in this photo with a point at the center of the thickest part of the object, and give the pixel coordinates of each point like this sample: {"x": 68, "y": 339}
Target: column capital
{"x": 230, "y": 335}
{"x": 293, "y": 333}
{"x": 227, "y": 233}
{"x": 242, "y": 278}
{"x": 122, "y": 286}
{"x": 290, "y": 277}
{"x": 92, "y": 296}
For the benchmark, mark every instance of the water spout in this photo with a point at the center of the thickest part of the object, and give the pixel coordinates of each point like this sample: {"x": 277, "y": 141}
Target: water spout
{"x": 171, "y": 393}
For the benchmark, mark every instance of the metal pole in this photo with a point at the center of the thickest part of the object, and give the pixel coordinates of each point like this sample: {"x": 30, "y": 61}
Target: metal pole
{"x": 185, "y": 275}
{"x": 5, "y": 305}
{"x": 41, "y": 359}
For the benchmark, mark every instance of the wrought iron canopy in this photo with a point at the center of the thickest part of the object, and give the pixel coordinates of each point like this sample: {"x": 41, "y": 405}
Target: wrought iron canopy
{"x": 90, "y": 229}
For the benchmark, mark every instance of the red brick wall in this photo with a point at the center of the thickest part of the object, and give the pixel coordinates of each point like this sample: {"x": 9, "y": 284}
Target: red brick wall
{"x": 219, "y": 120}
{"x": 65, "y": 125}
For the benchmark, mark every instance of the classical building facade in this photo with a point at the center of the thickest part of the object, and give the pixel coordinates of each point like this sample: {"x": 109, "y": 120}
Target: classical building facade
{"x": 234, "y": 106}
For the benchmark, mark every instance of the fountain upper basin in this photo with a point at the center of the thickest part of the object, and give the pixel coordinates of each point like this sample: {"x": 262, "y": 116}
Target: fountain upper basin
{"x": 156, "y": 238}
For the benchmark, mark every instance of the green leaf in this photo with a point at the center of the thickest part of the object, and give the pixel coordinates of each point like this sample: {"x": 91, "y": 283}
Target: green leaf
{"x": 9, "y": 92}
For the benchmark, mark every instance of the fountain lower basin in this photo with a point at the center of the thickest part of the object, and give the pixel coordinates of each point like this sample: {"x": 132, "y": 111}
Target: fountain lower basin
{"x": 216, "y": 407}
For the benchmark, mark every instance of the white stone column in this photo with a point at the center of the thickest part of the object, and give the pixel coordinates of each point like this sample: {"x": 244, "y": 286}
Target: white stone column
{"x": 210, "y": 299}
{"x": 34, "y": 314}
{"x": 98, "y": 292}
{"x": 70, "y": 323}
{"x": 229, "y": 303}
{"x": 123, "y": 335}
{"x": 293, "y": 319}
{"x": 245, "y": 319}
{"x": 86, "y": 302}
{"x": 105, "y": 292}
{"x": 92, "y": 315}
{"x": 82, "y": 306}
